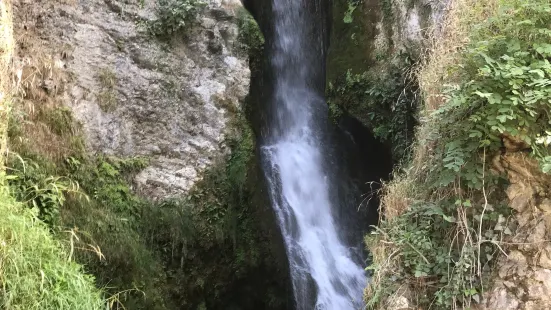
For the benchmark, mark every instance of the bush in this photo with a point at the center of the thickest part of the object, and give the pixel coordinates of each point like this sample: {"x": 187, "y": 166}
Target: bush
{"x": 42, "y": 192}
{"x": 174, "y": 16}
{"x": 506, "y": 91}
{"x": 159, "y": 254}
{"x": 104, "y": 215}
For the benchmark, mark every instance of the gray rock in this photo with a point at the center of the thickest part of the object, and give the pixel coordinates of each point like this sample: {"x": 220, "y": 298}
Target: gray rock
{"x": 137, "y": 95}
{"x": 502, "y": 299}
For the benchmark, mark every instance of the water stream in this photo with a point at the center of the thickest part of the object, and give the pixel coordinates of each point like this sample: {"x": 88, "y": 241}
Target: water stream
{"x": 323, "y": 271}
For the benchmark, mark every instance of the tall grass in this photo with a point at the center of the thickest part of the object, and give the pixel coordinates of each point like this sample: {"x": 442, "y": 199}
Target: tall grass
{"x": 35, "y": 270}
{"x": 447, "y": 41}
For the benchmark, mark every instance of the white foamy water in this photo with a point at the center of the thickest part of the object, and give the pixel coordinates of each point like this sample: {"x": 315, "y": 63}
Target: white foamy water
{"x": 324, "y": 275}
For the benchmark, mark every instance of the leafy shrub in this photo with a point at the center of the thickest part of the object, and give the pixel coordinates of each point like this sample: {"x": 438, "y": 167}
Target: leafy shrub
{"x": 506, "y": 91}
{"x": 159, "y": 254}
{"x": 174, "y": 16}
{"x": 103, "y": 214}
{"x": 111, "y": 220}
{"x": 440, "y": 250}
{"x": 40, "y": 191}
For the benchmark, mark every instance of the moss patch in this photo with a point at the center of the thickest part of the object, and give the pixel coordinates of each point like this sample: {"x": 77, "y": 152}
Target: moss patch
{"x": 352, "y": 42}
{"x": 387, "y": 104}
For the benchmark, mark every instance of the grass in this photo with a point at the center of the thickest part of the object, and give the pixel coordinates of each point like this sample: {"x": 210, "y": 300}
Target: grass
{"x": 36, "y": 271}
{"x": 436, "y": 72}
{"x": 158, "y": 253}
{"x": 38, "y": 121}
{"x": 447, "y": 41}
{"x": 174, "y": 16}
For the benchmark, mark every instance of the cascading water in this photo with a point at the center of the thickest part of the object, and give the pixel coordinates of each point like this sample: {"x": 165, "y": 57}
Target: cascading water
{"x": 324, "y": 273}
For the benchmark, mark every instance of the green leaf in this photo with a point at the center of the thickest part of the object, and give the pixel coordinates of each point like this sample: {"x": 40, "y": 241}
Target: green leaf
{"x": 420, "y": 273}
{"x": 502, "y": 118}
{"x": 449, "y": 219}
{"x": 516, "y": 71}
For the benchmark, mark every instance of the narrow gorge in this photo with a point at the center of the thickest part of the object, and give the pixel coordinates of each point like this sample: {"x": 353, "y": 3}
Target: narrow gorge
{"x": 326, "y": 273}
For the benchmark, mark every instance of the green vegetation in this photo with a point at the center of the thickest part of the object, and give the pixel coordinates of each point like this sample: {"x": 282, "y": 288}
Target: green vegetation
{"x": 174, "y": 16}
{"x": 111, "y": 220}
{"x": 250, "y": 38}
{"x": 107, "y": 97}
{"x": 506, "y": 90}
{"x": 44, "y": 193}
{"x": 446, "y": 215}
{"x": 385, "y": 103}
{"x": 208, "y": 249}
{"x": 371, "y": 77}
{"x": 36, "y": 272}
{"x": 148, "y": 255}
{"x": 352, "y": 5}
{"x": 387, "y": 10}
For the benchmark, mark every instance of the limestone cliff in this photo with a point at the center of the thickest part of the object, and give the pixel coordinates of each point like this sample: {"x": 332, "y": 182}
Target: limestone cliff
{"x": 126, "y": 129}
{"x": 134, "y": 94}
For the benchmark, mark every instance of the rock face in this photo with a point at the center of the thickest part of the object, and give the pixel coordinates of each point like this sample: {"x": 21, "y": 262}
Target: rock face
{"x": 137, "y": 95}
{"x": 378, "y": 33}
{"x": 523, "y": 278}
{"x": 404, "y": 25}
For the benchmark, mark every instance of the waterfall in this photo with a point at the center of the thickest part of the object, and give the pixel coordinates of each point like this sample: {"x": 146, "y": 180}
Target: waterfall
{"x": 323, "y": 271}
